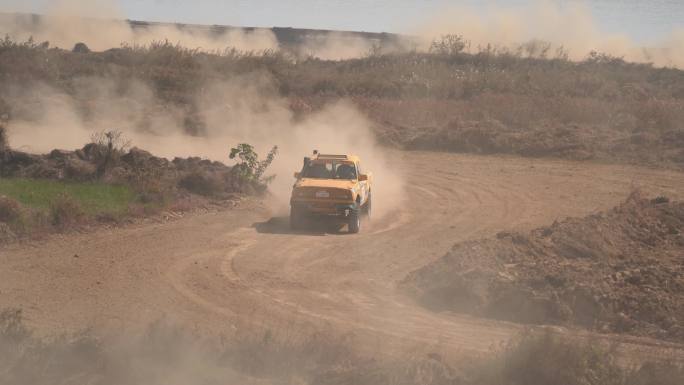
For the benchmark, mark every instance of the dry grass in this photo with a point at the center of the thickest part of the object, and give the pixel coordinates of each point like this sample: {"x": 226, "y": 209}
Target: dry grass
{"x": 601, "y": 108}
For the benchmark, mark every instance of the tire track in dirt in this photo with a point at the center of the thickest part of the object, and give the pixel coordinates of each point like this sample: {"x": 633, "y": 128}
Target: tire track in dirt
{"x": 241, "y": 270}
{"x": 461, "y": 199}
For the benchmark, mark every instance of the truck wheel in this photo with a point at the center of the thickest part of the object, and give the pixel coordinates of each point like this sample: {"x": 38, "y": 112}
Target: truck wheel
{"x": 369, "y": 208}
{"x": 354, "y": 222}
{"x": 296, "y": 219}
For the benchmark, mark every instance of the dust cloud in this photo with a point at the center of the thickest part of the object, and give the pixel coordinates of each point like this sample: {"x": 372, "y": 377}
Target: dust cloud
{"x": 570, "y": 26}
{"x": 247, "y": 109}
{"x": 100, "y": 25}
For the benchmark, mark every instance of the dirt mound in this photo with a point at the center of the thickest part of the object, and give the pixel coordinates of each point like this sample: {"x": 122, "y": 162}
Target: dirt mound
{"x": 621, "y": 271}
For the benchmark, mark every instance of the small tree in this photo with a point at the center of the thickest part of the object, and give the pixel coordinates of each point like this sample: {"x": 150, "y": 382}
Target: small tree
{"x": 250, "y": 170}
{"x": 109, "y": 145}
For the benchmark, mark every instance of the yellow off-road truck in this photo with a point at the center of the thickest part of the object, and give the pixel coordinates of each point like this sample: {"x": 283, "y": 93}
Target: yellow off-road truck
{"x": 334, "y": 187}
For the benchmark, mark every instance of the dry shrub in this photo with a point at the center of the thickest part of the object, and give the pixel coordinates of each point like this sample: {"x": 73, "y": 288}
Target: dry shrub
{"x": 108, "y": 148}
{"x": 14, "y": 220}
{"x": 17, "y": 220}
{"x": 65, "y": 211}
{"x": 547, "y": 359}
{"x": 149, "y": 184}
{"x": 6, "y": 233}
{"x": 10, "y": 209}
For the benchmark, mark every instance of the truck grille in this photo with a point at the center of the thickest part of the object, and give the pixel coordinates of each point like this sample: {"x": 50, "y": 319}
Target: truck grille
{"x": 323, "y": 194}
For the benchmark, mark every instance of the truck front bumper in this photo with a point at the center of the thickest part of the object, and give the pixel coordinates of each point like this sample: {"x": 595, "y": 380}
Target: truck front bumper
{"x": 329, "y": 209}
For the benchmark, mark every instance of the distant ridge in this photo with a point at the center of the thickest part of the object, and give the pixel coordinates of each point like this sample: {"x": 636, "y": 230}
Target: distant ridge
{"x": 286, "y": 36}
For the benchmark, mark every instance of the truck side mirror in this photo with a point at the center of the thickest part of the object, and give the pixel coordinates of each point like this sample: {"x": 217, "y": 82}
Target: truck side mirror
{"x": 363, "y": 177}
{"x": 297, "y": 175}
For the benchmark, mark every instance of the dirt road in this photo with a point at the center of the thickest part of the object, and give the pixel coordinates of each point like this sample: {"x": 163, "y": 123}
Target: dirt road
{"x": 243, "y": 269}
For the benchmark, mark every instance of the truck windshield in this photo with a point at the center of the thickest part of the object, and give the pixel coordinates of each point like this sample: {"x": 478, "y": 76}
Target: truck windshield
{"x": 329, "y": 170}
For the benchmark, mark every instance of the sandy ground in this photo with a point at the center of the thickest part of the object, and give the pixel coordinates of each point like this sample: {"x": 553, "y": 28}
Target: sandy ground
{"x": 244, "y": 270}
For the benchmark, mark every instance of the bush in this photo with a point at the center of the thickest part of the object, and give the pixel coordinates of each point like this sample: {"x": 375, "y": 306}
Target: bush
{"x": 10, "y": 210}
{"x": 449, "y": 45}
{"x": 249, "y": 172}
{"x": 65, "y": 211}
{"x": 17, "y": 220}
{"x": 108, "y": 149}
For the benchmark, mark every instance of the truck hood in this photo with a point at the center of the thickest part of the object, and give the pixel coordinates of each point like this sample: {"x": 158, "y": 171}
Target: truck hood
{"x": 326, "y": 183}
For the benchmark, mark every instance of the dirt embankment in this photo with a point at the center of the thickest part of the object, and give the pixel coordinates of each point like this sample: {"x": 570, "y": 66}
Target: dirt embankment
{"x": 620, "y": 271}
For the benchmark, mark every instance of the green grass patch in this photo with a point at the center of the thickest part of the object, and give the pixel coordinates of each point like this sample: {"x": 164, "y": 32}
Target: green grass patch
{"x": 93, "y": 198}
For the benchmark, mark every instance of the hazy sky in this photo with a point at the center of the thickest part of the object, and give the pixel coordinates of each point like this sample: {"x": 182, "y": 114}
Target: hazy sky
{"x": 641, "y": 19}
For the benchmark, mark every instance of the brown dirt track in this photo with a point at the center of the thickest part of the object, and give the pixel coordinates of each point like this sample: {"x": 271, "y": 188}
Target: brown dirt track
{"x": 243, "y": 270}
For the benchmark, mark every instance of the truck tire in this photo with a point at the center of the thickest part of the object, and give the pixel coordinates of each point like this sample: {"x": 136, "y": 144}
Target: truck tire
{"x": 354, "y": 222}
{"x": 368, "y": 208}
